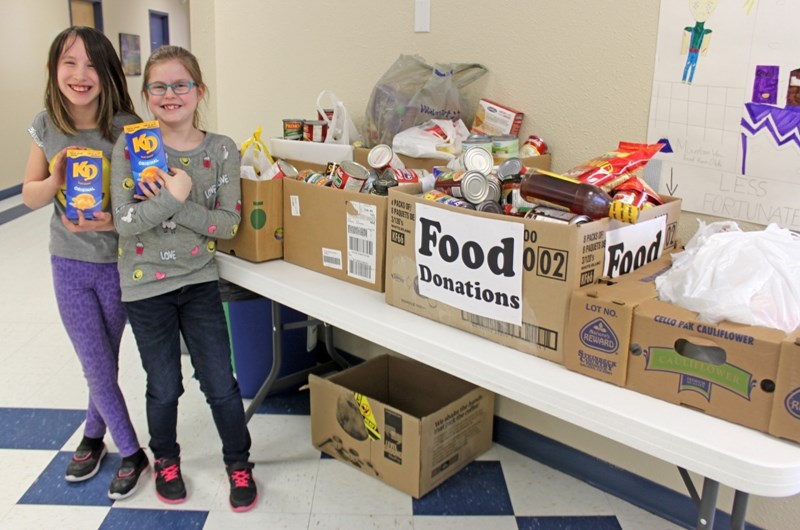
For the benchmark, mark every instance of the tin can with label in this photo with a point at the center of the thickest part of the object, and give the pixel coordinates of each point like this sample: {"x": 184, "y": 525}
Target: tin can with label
{"x": 382, "y": 156}
{"x": 314, "y": 130}
{"x": 313, "y": 177}
{"x": 469, "y": 185}
{"x": 505, "y": 146}
{"x": 327, "y": 117}
{"x": 554, "y": 215}
{"x": 382, "y": 184}
{"x": 444, "y": 198}
{"x": 330, "y": 169}
{"x": 292, "y": 129}
{"x": 350, "y": 176}
{"x": 477, "y": 140}
{"x": 533, "y": 146}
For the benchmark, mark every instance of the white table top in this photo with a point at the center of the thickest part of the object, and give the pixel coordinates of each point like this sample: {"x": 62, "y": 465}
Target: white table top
{"x": 738, "y": 457}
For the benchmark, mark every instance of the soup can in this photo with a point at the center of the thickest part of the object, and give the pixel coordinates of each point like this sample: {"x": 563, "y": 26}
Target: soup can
{"x": 509, "y": 168}
{"x": 477, "y": 158}
{"x": 468, "y": 185}
{"x": 315, "y": 130}
{"x": 504, "y": 146}
{"x": 284, "y": 169}
{"x": 383, "y": 156}
{"x": 489, "y": 206}
{"x": 292, "y": 129}
{"x": 350, "y": 176}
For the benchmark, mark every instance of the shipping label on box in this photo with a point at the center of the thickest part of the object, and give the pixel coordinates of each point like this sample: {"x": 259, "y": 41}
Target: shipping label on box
{"x": 260, "y": 233}
{"x": 726, "y": 370}
{"x": 400, "y": 421}
{"x": 554, "y": 259}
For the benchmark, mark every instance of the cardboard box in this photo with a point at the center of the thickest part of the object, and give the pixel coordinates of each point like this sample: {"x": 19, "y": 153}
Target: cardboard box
{"x": 408, "y": 424}
{"x": 785, "y": 418}
{"x": 598, "y": 331}
{"x": 726, "y": 370}
{"x": 340, "y": 233}
{"x": 260, "y": 234}
{"x": 522, "y": 299}
{"x": 494, "y": 119}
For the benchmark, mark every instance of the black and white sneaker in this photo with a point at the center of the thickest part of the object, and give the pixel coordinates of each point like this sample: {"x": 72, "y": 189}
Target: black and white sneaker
{"x": 86, "y": 460}
{"x": 127, "y": 477}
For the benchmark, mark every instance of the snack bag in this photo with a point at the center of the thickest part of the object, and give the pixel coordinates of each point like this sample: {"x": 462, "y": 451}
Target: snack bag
{"x": 84, "y": 183}
{"x": 615, "y": 167}
{"x": 146, "y": 151}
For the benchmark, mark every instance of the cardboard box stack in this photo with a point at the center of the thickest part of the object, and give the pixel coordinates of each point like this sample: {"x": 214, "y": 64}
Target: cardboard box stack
{"x": 507, "y": 278}
{"x": 401, "y": 421}
{"x": 319, "y": 223}
{"x": 620, "y": 332}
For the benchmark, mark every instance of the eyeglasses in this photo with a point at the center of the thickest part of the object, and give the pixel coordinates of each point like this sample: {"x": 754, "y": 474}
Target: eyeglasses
{"x": 179, "y": 88}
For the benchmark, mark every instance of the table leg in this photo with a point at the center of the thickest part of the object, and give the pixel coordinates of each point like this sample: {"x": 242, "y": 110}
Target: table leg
{"x": 708, "y": 505}
{"x": 739, "y": 511}
{"x": 277, "y": 353}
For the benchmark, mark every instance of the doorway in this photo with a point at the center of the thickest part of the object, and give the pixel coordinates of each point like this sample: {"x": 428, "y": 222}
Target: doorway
{"x": 159, "y": 30}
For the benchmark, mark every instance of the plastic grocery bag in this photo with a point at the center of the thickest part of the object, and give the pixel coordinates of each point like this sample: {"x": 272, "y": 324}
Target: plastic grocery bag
{"x": 432, "y": 139}
{"x": 412, "y": 92}
{"x": 255, "y": 157}
{"x": 341, "y": 129}
{"x": 746, "y": 277}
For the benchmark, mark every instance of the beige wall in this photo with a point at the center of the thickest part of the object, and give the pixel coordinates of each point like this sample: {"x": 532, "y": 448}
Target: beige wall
{"x": 581, "y": 71}
{"x": 26, "y": 31}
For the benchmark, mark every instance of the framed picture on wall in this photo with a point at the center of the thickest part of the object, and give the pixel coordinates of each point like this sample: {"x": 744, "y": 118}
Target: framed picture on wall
{"x": 130, "y": 54}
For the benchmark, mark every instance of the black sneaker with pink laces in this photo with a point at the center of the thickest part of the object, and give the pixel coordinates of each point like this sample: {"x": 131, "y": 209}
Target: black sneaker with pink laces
{"x": 244, "y": 493}
{"x": 169, "y": 482}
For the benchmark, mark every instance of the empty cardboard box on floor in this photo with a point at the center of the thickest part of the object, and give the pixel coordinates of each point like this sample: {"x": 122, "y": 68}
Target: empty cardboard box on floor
{"x": 555, "y": 260}
{"x": 260, "y": 234}
{"x": 403, "y": 422}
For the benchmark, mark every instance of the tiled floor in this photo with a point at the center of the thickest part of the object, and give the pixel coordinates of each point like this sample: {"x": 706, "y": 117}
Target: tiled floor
{"x": 43, "y": 399}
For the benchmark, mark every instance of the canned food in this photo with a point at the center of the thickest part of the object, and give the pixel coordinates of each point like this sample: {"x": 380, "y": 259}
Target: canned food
{"x": 477, "y": 158}
{"x": 533, "y": 146}
{"x": 293, "y": 129}
{"x": 469, "y": 185}
{"x": 315, "y": 130}
{"x": 504, "y": 146}
{"x": 495, "y": 188}
{"x": 489, "y": 206}
{"x": 382, "y": 184}
{"x": 350, "y": 176}
{"x": 312, "y": 177}
{"x": 285, "y": 170}
{"x": 510, "y": 167}
{"x": 477, "y": 140}
{"x": 444, "y": 198}
{"x": 331, "y": 168}
{"x": 382, "y": 156}
{"x": 554, "y": 215}
{"x": 327, "y": 117}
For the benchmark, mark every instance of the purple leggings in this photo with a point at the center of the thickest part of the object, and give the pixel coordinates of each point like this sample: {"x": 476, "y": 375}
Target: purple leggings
{"x": 89, "y": 301}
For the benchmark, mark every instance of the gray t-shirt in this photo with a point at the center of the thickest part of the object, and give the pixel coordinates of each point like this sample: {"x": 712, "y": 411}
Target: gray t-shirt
{"x": 93, "y": 247}
{"x": 165, "y": 245}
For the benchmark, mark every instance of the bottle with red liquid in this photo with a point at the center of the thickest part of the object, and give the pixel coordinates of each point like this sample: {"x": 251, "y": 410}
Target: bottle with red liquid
{"x": 578, "y": 197}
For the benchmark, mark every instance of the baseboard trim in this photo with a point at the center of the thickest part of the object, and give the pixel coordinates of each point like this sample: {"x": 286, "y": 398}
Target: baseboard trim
{"x": 646, "y": 494}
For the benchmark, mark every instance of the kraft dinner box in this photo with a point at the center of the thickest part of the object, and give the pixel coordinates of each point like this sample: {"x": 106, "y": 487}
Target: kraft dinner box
{"x": 506, "y": 278}
{"x": 401, "y": 421}
{"x": 342, "y": 233}
{"x": 260, "y": 233}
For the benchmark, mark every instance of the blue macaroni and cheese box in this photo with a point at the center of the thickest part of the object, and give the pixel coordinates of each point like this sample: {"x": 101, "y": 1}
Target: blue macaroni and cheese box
{"x": 146, "y": 151}
{"x": 84, "y": 183}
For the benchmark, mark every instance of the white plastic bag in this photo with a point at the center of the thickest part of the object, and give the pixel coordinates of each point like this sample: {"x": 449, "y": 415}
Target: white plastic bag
{"x": 746, "y": 277}
{"x": 341, "y": 129}
{"x": 256, "y": 159}
{"x": 432, "y": 139}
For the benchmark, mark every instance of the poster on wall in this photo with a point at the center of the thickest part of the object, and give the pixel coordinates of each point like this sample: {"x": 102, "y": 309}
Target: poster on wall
{"x": 130, "y": 54}
{"x": 726, "y": 105}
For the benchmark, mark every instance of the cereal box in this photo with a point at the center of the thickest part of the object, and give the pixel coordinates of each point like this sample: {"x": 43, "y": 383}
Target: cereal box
{"x": 84, "y": 183}
{"x": 146, "y": 151}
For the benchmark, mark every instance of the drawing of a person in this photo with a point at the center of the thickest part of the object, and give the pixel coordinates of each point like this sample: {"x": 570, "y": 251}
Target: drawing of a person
{"x": 696, "y": 38}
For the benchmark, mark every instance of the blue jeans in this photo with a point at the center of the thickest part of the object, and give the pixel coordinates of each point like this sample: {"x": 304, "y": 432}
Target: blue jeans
{"x": 196, "y": 312}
